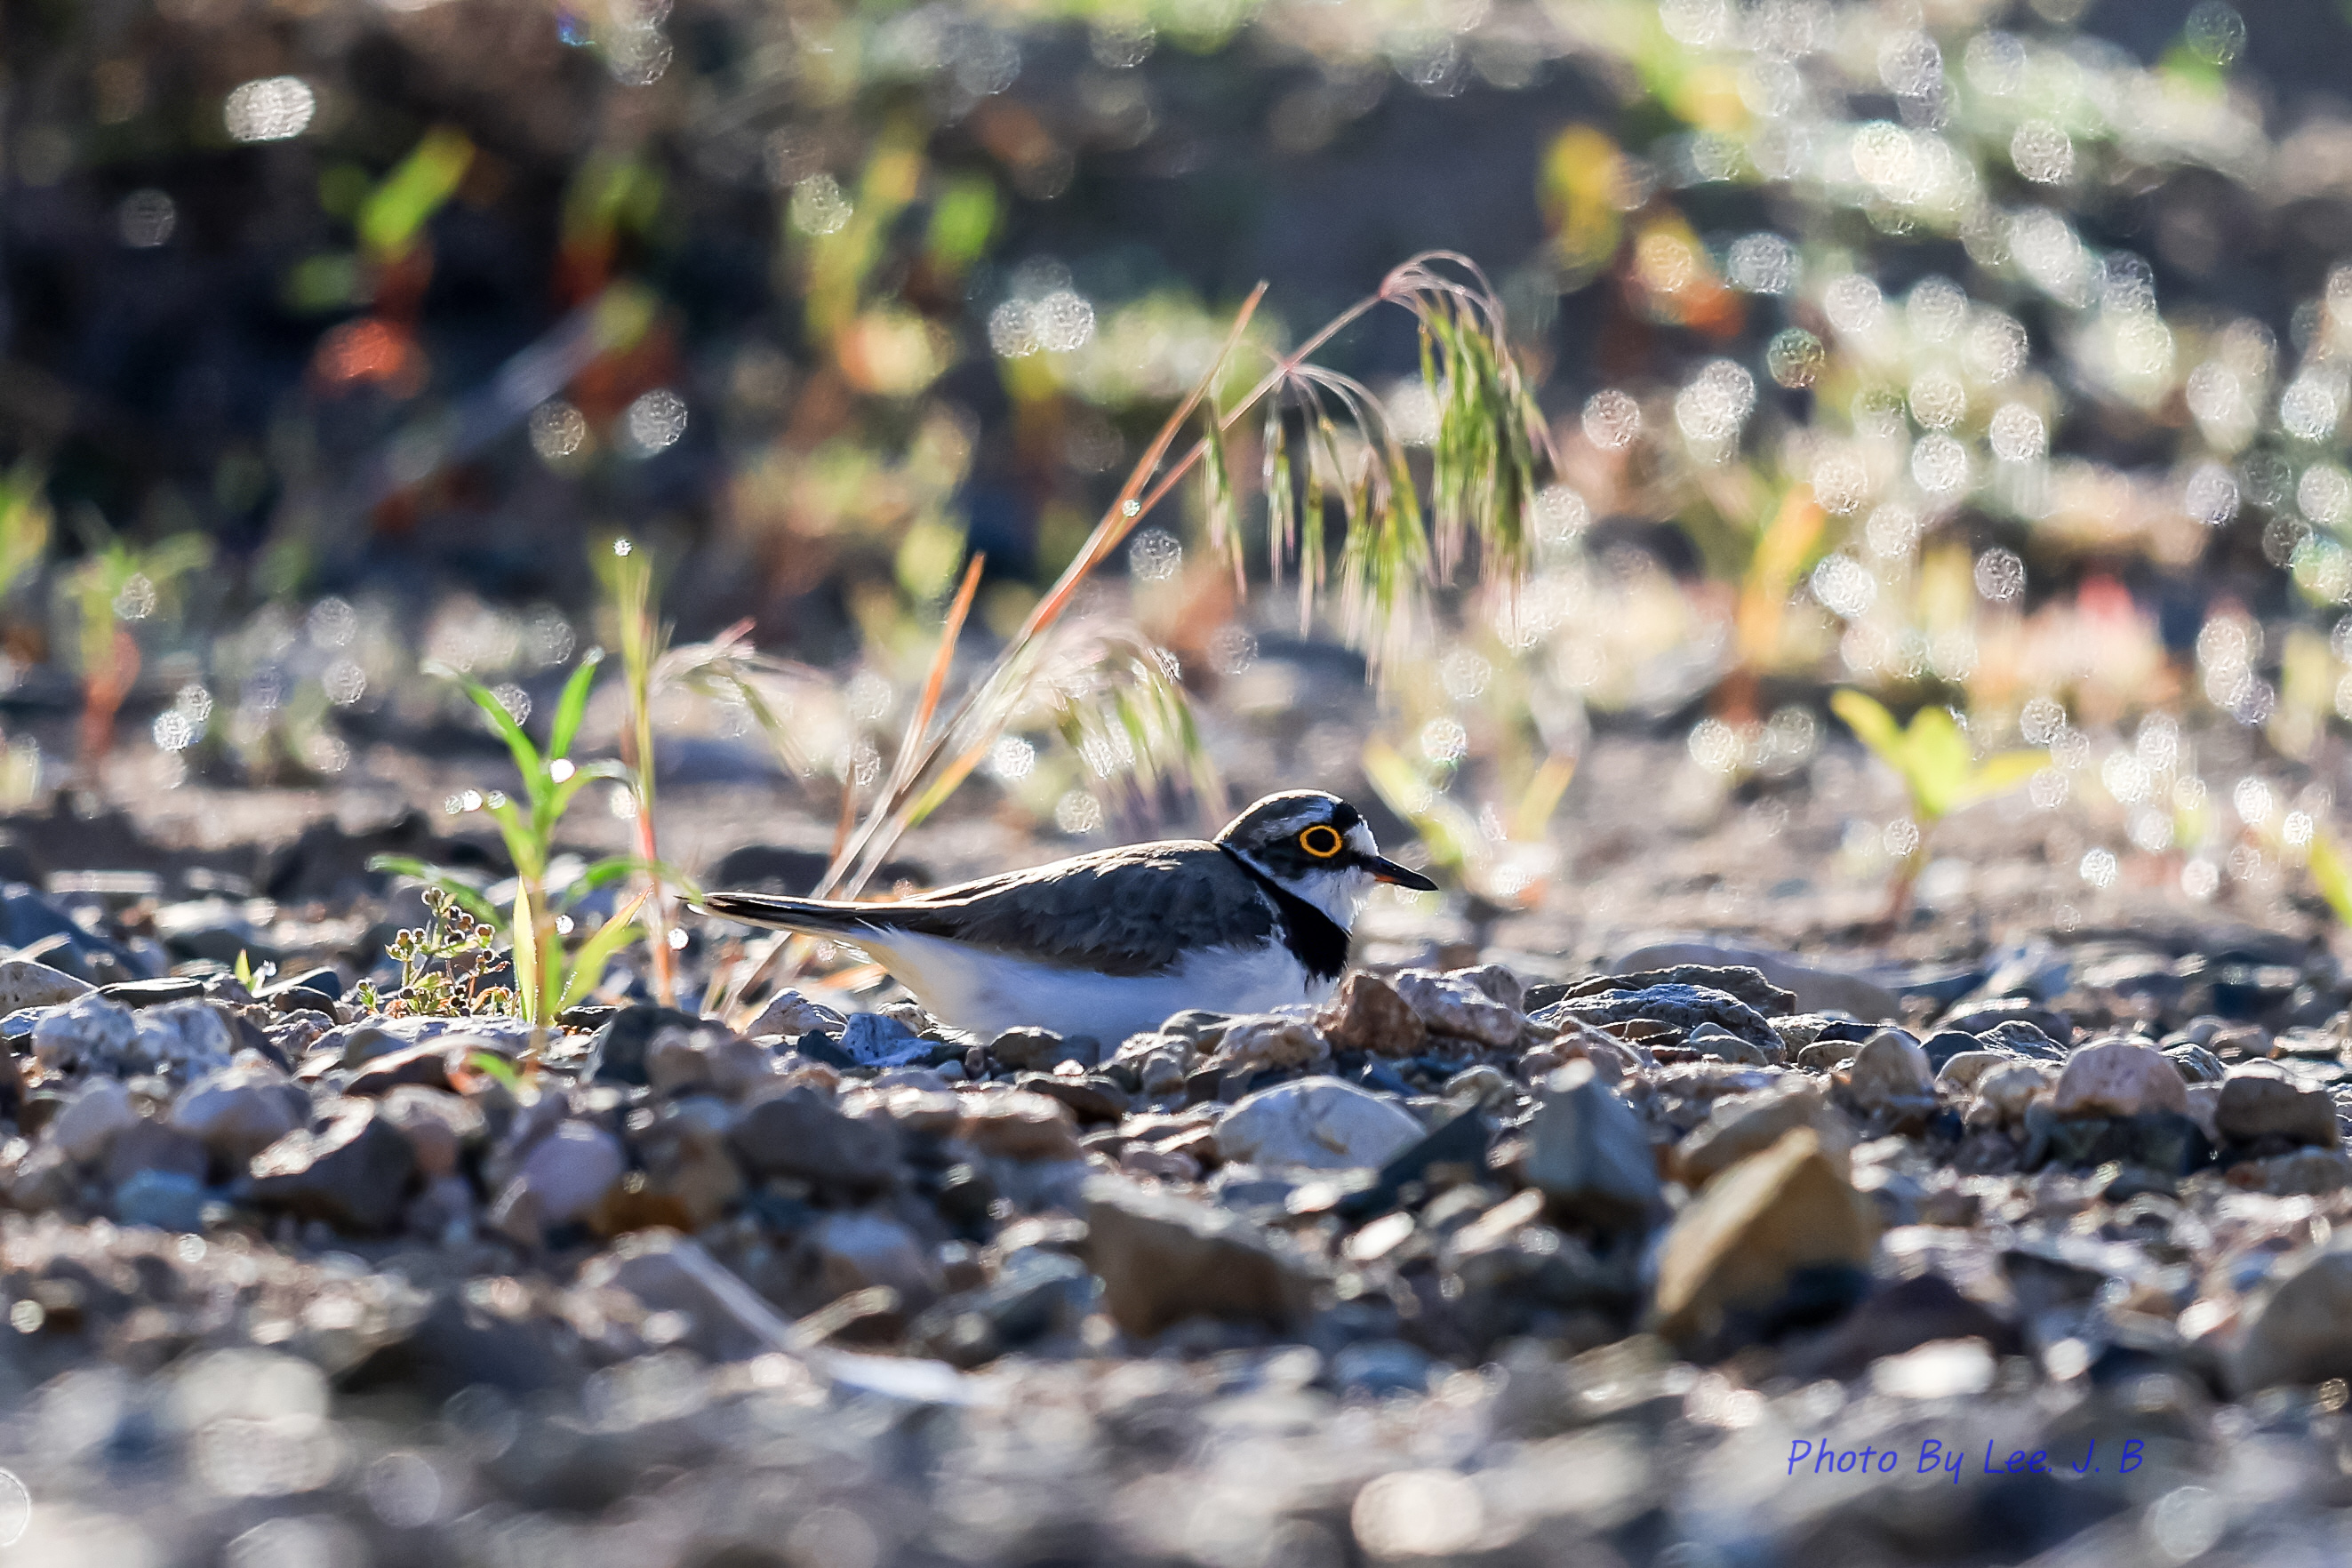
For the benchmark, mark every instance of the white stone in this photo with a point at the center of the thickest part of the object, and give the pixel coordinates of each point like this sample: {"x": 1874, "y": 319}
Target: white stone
{"x": 1318, "y": 1122}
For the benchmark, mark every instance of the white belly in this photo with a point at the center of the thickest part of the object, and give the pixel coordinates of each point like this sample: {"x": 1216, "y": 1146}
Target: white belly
{"x": 986, "y": 993}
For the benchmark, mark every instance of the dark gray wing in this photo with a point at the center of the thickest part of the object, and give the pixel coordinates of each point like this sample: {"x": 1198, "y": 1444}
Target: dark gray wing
{"x": 1133, "y": 911}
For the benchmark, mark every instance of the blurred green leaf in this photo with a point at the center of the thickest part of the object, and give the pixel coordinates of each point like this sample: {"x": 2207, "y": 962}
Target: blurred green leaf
{"x": 398, "y": 209}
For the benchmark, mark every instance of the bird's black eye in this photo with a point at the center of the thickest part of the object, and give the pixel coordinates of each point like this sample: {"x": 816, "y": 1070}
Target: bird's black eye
{"x": 1322, "y": 841}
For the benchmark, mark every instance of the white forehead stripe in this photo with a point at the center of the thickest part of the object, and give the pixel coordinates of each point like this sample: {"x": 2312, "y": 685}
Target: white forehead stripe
{"x": 1360, "y": 839}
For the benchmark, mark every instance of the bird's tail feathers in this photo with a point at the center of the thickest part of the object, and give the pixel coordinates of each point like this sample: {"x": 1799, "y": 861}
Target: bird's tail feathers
{"x": 816, "y": 917}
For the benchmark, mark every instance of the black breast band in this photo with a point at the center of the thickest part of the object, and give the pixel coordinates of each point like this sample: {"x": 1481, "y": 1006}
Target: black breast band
{"x": 1314, "y": 938}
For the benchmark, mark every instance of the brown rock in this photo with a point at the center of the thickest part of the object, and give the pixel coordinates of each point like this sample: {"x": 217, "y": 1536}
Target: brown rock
{"x": 1452, "y": 1004}
{"x": 1163, "y": 1258}
{"x": 1263, "y": 1045}
{"x": 1745, "y": 1125}
{"x": 425, "y": 1065}
{"x": 352, "y": 1173}
{"x": 2119, "y": 1077}
{"x": 437, "y": 1125}
{"x": 1734, "y": 1250}
{"x": 800, "y": 1132}
{"x": 1018, "y": 1125}
{"x": 1368, "y": 1016}
{"x": 2258, "y": 1105}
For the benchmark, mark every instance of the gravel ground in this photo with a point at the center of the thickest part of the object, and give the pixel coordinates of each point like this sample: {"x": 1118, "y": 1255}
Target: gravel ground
{"x": 1688, "y": 1217}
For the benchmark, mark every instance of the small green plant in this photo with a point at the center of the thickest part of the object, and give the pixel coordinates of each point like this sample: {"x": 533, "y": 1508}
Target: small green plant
{"x": 545, "y": 981}
{"x": 442, "y": 965}
{"x": 628, "y": 576}
{"x": 1940, "y": 772}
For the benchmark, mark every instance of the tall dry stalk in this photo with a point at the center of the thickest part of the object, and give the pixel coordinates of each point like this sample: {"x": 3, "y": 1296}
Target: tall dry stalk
{"x": 1482, "y": 479}
{"x": 629, "y": 574}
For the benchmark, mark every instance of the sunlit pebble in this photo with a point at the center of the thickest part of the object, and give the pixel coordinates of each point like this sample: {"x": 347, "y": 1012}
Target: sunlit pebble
{"x": 1445, "y": 741}
{"x": 557, "y": 431}
{"x": 146, "y": 219}
{"x": 2200, "y": 880}
{"x": 1938, "y": 400}
{"x": 1418, "y": 1513}
{"x": 1012, "y": 759}
{"x": 2099, "y": 868}
{"x": 2042, "y": 153}
{"x": 819, "y": 206}
{"x": 1762, "y": 263}
{"x": 2309, "y": 407}
{"x": 270, "y": 110}
{"x": 1939, "y": 465}
{"x": 1794, "y": 358}
{"x": 2324, "y": 494}
{"x": 1852, "y": 304}
{"x": 2253, "y": 800}
{"x": 1611, "y": 419}
{"x": 1892, "y": 533}
{"x": 2211, "y": 495}
{"x": 1999, "y": 575}
{"x": 1844, "y": 586}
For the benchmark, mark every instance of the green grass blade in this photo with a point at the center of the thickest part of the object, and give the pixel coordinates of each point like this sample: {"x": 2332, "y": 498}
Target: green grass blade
{"x": 469, "y": 898}
{"x": 596, "y": 954}
{"x": 573, "y": 705}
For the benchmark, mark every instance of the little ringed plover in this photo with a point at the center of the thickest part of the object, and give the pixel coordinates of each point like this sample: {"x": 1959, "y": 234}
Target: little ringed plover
{"x": 1112, "y": 943}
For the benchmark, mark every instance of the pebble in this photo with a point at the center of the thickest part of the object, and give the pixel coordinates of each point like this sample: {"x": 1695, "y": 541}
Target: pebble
{"x": 1781, "y": 1222}
{"x": 1811, "y": 987}
{"x": 349, "y": 1174}
{"x": 1742, "y": 1125}
{"x": 791, "y": 1015}
{"x": 1043, "y": 1051}
{"x": 2252, "y": 1106}
{"x": 1589, "y": 1152}
{"x": 1891, "y": 1074}
{"x": 1320, "y": 1123}
{"x": 1260, "y": 1044}
{"x": 2119, "y": 1077}
{"x": 1163, "y": 1258}
{"x": 875, "y": 1039}
{"x": 798, "y": 1131}
{"x": 1368, "y": 1016}
{"x": 91, "y": 1120}
{"x": 91, "y": 1032}
{"x": 2298, "y": 1330}
{"x": 1455, "y": 1005}
{"x": 167, "y": 1200}
{"x": 562, "y": 1178}
{"x": 241, "y": 1109}
{"x": 1682, "y": 1007}
{"x": 438, "y": 1126}
{"x": 2003, "y": 1093}
{"x": 1018, "y": 1125}
{"x": 855, "y": 1252}
{"x": 26, "y": 983}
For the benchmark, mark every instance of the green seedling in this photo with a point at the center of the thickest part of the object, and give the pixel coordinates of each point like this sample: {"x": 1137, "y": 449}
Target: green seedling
{"x": 1940, "y": 771}
{"x": 545, "y": 983}
{"x": 114, "y": 587}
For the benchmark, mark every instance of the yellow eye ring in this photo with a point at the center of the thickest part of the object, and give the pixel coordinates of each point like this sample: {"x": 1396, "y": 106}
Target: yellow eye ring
{"x": 1322, "y": 841}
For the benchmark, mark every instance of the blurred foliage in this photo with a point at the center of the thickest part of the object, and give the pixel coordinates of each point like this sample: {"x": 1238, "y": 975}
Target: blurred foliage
{"x": 1975, "y": 354}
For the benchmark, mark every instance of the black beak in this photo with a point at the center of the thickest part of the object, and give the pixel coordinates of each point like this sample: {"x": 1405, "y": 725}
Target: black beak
{"x": 1385, "y": 870}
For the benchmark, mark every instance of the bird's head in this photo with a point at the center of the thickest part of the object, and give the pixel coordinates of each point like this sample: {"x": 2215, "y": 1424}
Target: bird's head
{"x": 1317, "y": 847}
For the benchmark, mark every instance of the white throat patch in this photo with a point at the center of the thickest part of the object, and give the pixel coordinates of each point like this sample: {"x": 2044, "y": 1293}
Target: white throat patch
{"x": 1340, "y": 894}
